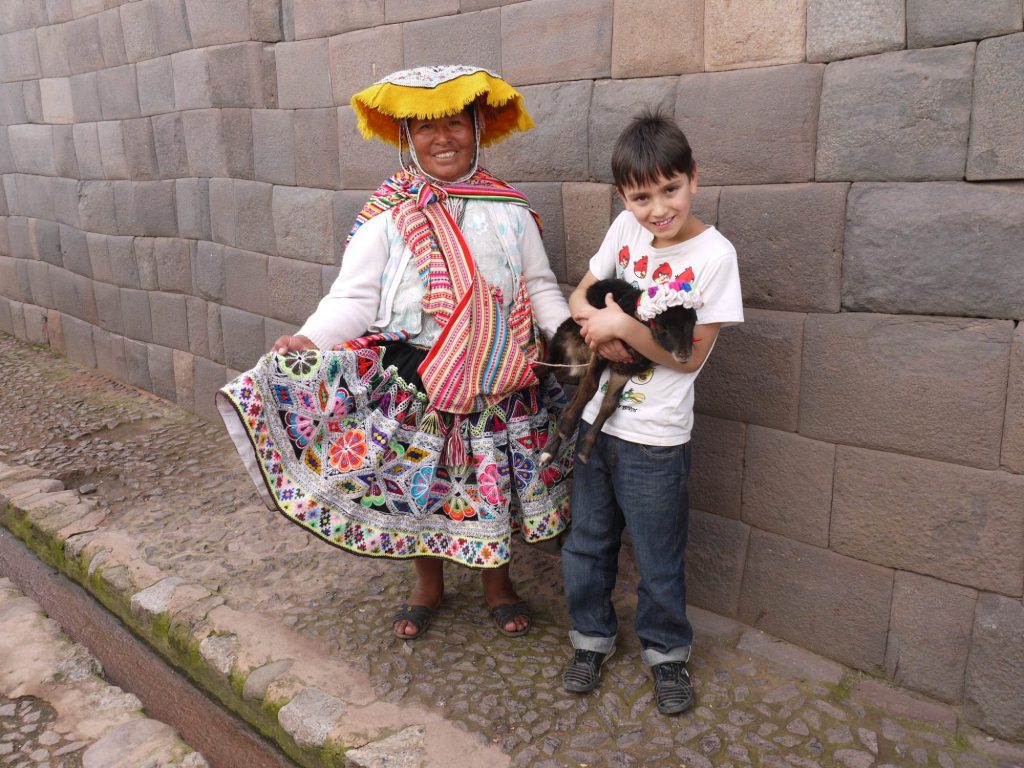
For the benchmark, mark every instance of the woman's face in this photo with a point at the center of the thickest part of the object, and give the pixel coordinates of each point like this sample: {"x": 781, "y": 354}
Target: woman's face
{"x": 445, "y": 145}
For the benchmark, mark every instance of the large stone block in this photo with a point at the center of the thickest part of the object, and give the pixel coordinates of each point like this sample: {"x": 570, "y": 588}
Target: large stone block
{"x": 303, "y": 74}
{"x": 55, "y": 94}
{"x": 304, "y": 224}
{"x": 146, "y": 208}
{"x": 757, "y": 33}
{"x": 930, "y": 635}
{"x": 173, "y": 264}
{"x": 112, "y": 149}
{"x": 932, "y": 23}
{"x": 244, "y": 340}
{"x": 208, "y": 271}
{"x": 74, "y": 251}
{"x": 254, "y": 217}
{"x": 265, "y": 20}
{"x": 144, "y": 251}
{"x": 363, "y": 57}
{"x": 65, "y": 161}
{"x": 155, "y": 79}
{"x": 59, "y": 10}
{"x": 956, "y": 523}
{"x": 192, "y": 201}
{"x": 110, "y": 356}
{"x": 210, "y": 377}
{"x": 754, "y": 373}
{"x": 169, "y": 145}
{"x": 198, "y": 335}
{"x": 844, "y": 616}
{"x": 556, "y": 150}
{"x": 140, "y": 149}
{"x": 205, "y": 144}
{"x": 716, "y": 476}
{"x": 752, "y": 127}
{"x": 841, "y": 29}
{"x": 995, "y": 671}
{"x": 85, "y": 53}
{"x": 273, "y": 138}
{"x": 72, "y": 294}
{"x": 119, "y": 92}
{"x": 362, "y": 162}
{"x": 19, "y": 56}
{"x": 170, "y": 321}
{"x": 314, "y": 18}
{"x": 917, "y": 235}
{"x": 887, "y": 382}
{"x": 46, "y": 289}
{"x": 237, "y": 131}
{"x": 136, "y": 318}
{"x": 85, "y": 97}
{"x": 613, "y": 105}
{"x": 45, "y": 238}
{"x": 124, "y": 267}
{"x": 347, "y": 205}
{"x": 587, "y": 210}
{"x": 161, "y": 371}
{"x": 191, "y": 73}
{"x": 316, "y": 148}
{"x": 789, "y": 242}
{"x": 294, "y": 289}
{"x": 997, "y": 139}
{"x": 226, "y": 21}
{"x": 473, "y": 38}
{"x": 33, "y": 101}
{"x": 112, "y": 38}
{"x": 545, "y": 36}
{"x": 658, "y": 37}
{"x": 899, "y": 115}
{"x": 715, "y": 555}
{"x": 32, "y": 148}
{"x": 546, "y": 199}
{"x": 78, "y": 337}
{"x": 137, "y": 358}
{"x": 12, "y": 104}
{"x": 96, "y": 207}
{"x": 236, "y": 74}
{"x": 108, "y": 307}
{"x": 154, "y": 28}
{"x": 409, "y": 10}
{"x": 35, "y": 324}
{"x": 246, "y": 283}
{"x": 53, "y": 51}
{"x": 787, "y": 484}
{"x": 1013, "y": 427}
{"x": 24, "y": 15}
{"x": 222, "y": 210}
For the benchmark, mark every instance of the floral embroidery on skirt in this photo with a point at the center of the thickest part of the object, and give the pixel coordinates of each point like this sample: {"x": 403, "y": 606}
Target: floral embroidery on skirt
{"x": 346, "y": 447}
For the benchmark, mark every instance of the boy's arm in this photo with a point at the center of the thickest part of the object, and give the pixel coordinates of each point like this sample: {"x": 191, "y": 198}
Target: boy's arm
{"x": 582, "y": 310}
{"x": 610, "y": 323}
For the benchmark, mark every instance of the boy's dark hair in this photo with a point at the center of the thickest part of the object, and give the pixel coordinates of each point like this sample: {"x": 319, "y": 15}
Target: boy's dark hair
{"x": 650, "y": 148}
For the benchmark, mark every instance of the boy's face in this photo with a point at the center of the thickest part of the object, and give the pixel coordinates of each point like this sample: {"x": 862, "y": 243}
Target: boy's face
{"x": 663, "y": 208}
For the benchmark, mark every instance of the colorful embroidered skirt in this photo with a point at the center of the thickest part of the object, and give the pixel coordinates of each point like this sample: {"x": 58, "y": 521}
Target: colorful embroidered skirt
{"x": 342, "y": 444}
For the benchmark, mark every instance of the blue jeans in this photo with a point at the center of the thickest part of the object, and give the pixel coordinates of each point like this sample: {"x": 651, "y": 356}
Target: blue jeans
{"x": 642, "y": 488}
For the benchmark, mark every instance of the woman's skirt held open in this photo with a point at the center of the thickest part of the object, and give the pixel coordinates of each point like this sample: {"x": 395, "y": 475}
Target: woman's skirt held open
{"x": 343, "y": 444}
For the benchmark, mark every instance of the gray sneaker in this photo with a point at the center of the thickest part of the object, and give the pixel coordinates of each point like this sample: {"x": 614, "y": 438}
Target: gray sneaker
{"x": 673, "y": 691}
{"x": 583, "y": 672}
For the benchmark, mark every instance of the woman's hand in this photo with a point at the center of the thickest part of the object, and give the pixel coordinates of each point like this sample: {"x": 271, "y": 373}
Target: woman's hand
{"x": 292, "y": 344}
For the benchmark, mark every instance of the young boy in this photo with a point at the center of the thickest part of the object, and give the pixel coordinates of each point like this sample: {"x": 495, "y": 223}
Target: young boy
{"x": 636, "y": 476}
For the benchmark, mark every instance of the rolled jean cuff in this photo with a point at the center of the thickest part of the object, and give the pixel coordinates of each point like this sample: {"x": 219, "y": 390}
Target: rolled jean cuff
{"x": 585, "y": 643}
{"x": 652, "y": 657}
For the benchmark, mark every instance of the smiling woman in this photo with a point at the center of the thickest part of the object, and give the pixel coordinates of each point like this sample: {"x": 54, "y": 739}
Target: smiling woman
{"x": 404, "y": 420}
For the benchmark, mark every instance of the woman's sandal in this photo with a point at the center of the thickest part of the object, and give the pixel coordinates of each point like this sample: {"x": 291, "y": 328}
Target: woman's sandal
{"x": 505, "y": 614}
{"x": 419, "y": 616}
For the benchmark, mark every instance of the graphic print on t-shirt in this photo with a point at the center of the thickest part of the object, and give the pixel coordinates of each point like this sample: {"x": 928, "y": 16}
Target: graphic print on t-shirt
{"x": 662, "y": 274}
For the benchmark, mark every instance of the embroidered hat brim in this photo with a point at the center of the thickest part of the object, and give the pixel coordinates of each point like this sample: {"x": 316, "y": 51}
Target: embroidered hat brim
{"x": 432, "y": 92}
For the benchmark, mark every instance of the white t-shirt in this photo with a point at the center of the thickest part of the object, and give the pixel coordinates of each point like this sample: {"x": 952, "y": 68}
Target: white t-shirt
{"x": 656, "y": 407}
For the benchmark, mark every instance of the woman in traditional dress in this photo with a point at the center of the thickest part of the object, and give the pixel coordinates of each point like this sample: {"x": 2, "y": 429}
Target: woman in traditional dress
{"x": 404, "y": 419}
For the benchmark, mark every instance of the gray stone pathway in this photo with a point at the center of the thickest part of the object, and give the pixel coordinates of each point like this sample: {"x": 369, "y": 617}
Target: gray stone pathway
{"x": 56, "y": 711}
{"x": 172, "y": 488}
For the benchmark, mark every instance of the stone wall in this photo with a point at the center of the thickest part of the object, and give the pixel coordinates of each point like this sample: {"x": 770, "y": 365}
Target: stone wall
{"x": 179, "y": 175}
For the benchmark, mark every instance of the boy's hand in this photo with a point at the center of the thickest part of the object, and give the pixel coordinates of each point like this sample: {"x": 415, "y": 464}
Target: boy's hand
{"x": 604, "y": 325}
{"x": 615, "y": 351}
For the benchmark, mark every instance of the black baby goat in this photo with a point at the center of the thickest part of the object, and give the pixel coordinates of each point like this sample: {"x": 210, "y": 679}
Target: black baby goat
{"x": 672, "y": 328}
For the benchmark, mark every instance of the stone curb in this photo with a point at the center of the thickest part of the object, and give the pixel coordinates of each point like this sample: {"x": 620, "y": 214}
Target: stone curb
{"x": 256, "y": 667}
{"x": 101, "y": 721}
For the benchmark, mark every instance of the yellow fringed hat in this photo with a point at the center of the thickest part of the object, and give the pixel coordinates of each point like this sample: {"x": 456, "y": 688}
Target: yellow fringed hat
{"x": 431, "y": 92}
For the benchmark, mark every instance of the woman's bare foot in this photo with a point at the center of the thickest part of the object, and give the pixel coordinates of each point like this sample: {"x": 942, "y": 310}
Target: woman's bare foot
{"x": 428, "y": 591}
{"x": 498, "y": 590}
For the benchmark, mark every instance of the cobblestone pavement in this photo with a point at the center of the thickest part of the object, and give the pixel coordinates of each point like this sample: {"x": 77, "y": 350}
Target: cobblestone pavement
{"x": 177, "y": 486}
{"x": 56, "y": 711}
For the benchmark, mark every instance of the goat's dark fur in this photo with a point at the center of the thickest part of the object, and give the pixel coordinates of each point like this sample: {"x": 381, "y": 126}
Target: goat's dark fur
{"x": 672, "y": 329}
